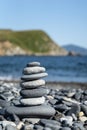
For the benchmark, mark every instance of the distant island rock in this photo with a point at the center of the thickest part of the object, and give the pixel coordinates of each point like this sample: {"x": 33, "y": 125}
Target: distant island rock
{"x": 75, "y": 50}
{"x": 29, "y": 42}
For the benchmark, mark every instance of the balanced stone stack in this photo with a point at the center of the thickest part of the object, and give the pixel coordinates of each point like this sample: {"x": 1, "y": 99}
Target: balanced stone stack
{"x": 33, "y": 92}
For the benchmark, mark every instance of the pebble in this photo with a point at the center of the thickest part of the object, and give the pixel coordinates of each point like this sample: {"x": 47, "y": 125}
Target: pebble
{"x": 39, "y": 92}
{"x": 33, "y": 111}
{"x": 32, "y": 64}
{"x": 32, "y": 101}
{"x": 33, "y": 70}
{"x": 34, "y": 76}
{"x": 32, "y": 84}
{"x": 10, "y": 127}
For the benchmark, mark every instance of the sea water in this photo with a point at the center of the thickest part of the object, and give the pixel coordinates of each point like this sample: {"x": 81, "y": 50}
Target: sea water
{"x": 59, "y": 68}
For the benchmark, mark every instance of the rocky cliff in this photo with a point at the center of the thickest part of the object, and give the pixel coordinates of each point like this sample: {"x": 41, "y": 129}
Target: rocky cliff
{"x": 34, "y": 42}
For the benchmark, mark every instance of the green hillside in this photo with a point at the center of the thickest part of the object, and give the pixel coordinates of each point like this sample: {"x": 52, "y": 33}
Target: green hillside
{"x": 36, "y": 41}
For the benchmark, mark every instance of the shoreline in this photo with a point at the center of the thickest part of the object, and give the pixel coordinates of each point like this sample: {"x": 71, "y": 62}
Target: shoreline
{"x": 53, "y": 84}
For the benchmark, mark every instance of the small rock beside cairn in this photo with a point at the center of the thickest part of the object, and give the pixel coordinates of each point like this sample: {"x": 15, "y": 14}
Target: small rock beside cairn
{"x": 33, "y": 93}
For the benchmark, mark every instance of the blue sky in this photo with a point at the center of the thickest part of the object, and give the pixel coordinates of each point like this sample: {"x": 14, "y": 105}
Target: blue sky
{"x": 64, "y": 20}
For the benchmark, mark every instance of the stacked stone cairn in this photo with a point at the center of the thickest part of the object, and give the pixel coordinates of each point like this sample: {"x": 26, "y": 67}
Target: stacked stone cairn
{"x": 33, "y": 93}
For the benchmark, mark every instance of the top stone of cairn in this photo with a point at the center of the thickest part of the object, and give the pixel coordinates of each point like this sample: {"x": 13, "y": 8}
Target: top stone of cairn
{"x": 32, "y": 64}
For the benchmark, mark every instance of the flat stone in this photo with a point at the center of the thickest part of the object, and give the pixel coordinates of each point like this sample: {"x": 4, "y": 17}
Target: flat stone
{"x": 33, "y": 84}
{"x": 34, "y": 92}
{"x": 5, "y": 123}
{"x": 65, "y": 128}
{"x": 28, "y": 127}
{"x": 31, "y": 120}
{"x": 33, "y": 76}
{"x": 84, "y": 109}
{"x": 38, "y": 127}
{"x": 33, "y": 70}
{"x": 75, "y": 109}
{"x": 83, "y": 118}
{"x": 10, "y": 127}
{"x": 41, "y": 111}
{"x": 32, "y": 101}
{"x": 31, "y": 64}
{"x": 45, "y": 121}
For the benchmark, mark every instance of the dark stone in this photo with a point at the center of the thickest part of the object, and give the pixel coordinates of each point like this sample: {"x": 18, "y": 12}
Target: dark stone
{"x": 75, "y": 109}
{"x": 61, "y": 107}
{"x": 65, "y": 128}
{"x": 34, "y": 92}
{"x": 34, "y": 111}
{"x": 84, "y": 109}
{"x": 4, "y": 103}
{"x": 38, "y": 127}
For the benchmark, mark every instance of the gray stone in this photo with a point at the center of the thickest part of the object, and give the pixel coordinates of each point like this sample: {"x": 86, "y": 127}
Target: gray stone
{"x": 5, "y": 123}
{"x": 68, "y": 120}
{"x": 32, "y": 93}
{"x": 84, "y": 109}
{"x": 65, "y": 128}
{"x": 31, "y": 120}
{"x": 33, "y": 70}
{"x": 33, "y": 84}
{"x": 42, "y": 111}
{"x": 0, "y": 127}
{"x": 32, "y": 64}
{"x": 75, "y": 109}
{"x": 38, "y": 127}
{"x": 32, "y": 101}
{"x": 34, "y": 76}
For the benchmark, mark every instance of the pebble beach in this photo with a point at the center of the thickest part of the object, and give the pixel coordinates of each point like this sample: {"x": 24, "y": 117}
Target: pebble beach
{"x": 34, "y": 104}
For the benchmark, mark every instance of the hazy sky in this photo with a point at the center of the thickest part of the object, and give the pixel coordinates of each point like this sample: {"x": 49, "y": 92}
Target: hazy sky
{"x": 64, "y": 20}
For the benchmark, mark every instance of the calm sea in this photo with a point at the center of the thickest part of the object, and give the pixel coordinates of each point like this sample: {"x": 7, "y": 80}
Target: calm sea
{"x": 59, "y": 68}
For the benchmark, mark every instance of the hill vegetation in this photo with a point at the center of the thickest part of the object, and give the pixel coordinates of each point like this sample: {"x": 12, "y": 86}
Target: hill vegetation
{"x": 32, "y": 42}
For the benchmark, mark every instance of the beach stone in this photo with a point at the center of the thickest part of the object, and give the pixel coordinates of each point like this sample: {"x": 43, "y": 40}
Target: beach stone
{"x": 85, "y": 102}
{"x": 4, "y": 103}
{"x": 32, "y": 64}
{"x": 33, "y": 70}
{"x": 61, "y": 107}
{"x": 84, "y": 109}
{"x": 34, "y": 76}
{"x": 83, "y": 118}
{"x": 38, "y": 127}
{"x": 26, "y": 93}
{"x": 33, "y": 84}
{"x": 78, "y": 126}
{"x": 31, "y": 120}
{"x": 65, "y": 128}
{"x": 10, "y": 127}
{"x": 47, "y": 128}
{"x": 53, "y": 127}
{"x": 71, "y": 100}
{"x": 77, "y": 95}
{"x": 42, "y": 111}
{"x": 0, "y": 127}
{"x": 81, "y": 114}
{"x": 32, "y": 101}
{"x": 66, "y": 121}
{"x": 28, "y": 127}
{"x": 75, "y": 109}
{"x": 5, "y": 123}
{"x": 45, "y": 121}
